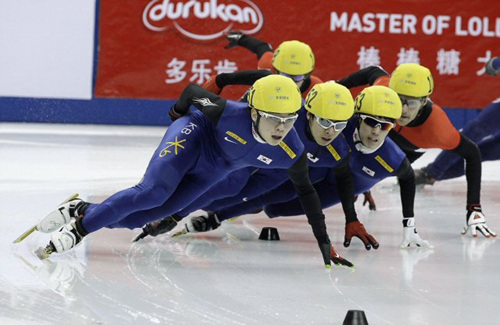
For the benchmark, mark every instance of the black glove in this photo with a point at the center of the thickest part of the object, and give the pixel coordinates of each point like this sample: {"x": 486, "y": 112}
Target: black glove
{"x": 490, "y": 70}
{"x": 156, "y": 228}
{"x": 356, "y": 229}
{"x": 370, "y": 200}
{"x": 422, "y": 177}
{"x": 233, "y": 37}
{"x": 173, "y": 114}
{"x": 330, "y": 255}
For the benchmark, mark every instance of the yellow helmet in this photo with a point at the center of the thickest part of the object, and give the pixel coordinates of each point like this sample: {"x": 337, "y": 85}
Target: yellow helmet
{"x": 293, "y": 58}
{"x": 275, "y": 94}
{"x": 379, "y": 101}
{"x": 331, "y": 101}
{"x": 411, "y": 79}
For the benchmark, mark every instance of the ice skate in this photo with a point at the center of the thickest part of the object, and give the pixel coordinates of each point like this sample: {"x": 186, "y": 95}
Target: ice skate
{"x": 156, "y": 228}
{"x": 57, "y": 218}
{"x": 200, "y": 224}
{"x": 65, "y": 239}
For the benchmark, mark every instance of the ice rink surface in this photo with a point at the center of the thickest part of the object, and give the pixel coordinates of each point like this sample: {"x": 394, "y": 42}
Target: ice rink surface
{"x": 228, "y": 276}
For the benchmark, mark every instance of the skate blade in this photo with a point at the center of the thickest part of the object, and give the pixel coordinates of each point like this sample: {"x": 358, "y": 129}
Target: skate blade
{"x": 43, "y": 253}
{"x": 24, "y": 235}
{"x": 32, "y": 229}
{"x": 138, "y": 237}
{"x": 71, "y": 198}
{"x": 180, "y": 233}
{"x": 233, "y": 219}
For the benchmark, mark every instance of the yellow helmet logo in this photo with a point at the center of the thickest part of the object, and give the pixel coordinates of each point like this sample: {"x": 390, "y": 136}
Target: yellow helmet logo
{"x": 275, "y": 94}
{"x": 379, "y": 101}
{"x": 411, "y": 79}
{"x": 330, "y": 101}
{"x": 294, "y": 58}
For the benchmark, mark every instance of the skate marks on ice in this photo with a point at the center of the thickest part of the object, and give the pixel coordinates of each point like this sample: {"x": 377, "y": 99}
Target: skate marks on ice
{"x": 161, "y": 265}
{"x": 245, "y": 281}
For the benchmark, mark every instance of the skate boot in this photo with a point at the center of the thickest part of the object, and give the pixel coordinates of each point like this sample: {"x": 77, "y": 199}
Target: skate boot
{"x": 156, "y": 228}
{"x": 62, "y": 215}
{"x": 200, "y": 224}
{"x": 68, "y": 209}
{"x": 65, "y": 239}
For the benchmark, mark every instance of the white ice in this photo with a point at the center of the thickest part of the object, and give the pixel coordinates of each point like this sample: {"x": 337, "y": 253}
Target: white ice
{"x": 228, "y": 276}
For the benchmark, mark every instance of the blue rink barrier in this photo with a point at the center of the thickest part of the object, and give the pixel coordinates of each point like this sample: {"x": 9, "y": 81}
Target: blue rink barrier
{"x": 95, "y": 111}
{"x": 122, "y": 111}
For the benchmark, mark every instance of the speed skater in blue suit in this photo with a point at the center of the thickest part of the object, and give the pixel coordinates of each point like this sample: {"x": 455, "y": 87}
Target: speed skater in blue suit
{"x": 195, "y": 154}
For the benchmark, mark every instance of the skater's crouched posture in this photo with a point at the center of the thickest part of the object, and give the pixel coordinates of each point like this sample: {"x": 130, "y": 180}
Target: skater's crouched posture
{"x": 198, "y": 150}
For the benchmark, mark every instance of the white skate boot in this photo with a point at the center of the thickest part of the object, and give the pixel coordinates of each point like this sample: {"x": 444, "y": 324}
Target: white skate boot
{"x": 65, "y": 212}
{"x": 62, "y": 215}
{"x": 200, "y": 224}
{"x": 65, "y": 239}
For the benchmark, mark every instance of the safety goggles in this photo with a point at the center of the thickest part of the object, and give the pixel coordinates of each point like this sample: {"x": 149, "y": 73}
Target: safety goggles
{"x": 373, "y": 122}
{"x": 411, "y": 103}
{"x": 326, "y": 124}
{"x": 296, "y": 78}
{"x": 287, "y": 121}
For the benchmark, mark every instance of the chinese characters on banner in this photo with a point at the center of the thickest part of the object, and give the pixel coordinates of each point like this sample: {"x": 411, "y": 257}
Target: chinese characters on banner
{"x": 154, "y": 48}
{"x": 200, "y": 70}
{"x": 448, "y": 62}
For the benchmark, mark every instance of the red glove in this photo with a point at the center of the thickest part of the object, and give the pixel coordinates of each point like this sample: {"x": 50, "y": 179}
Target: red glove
{"x": 211, "y": 85}
{"x": 369, "y": 199}
{"x": 356, "y": 229}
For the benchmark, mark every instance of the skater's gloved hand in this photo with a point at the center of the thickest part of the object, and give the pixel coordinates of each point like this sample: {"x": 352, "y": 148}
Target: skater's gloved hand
{"x": 211, "y": 85}
{"x": 159, "y": 227}
{"x": 490, "y": 69}
{"x": 370, "y": 200}
{"x": 233, "y": 37}
{"x": 356, "y": 229}
{"x": 475, "y": 220}
{"x": 411, "y": 237}
{"x": 422, "y": 177}
{"x": 173, "y": 113}
{"x": 330, "y": 255}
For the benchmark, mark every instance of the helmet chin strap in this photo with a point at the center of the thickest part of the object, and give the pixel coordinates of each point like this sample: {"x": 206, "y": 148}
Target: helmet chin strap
{"x": 255, "y": 130}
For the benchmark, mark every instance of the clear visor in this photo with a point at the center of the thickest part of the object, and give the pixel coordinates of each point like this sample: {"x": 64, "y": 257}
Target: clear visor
{"x": 326, "y": 124}
{"x": 412, "y": 102}
{"x": 287, "y": 120}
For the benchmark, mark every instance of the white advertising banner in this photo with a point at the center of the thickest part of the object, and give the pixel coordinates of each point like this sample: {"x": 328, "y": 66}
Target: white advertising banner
{"x": 46, "y": 48}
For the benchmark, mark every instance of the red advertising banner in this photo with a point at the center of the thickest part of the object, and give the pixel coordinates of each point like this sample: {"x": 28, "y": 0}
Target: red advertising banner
{"x": 154, "y": 48}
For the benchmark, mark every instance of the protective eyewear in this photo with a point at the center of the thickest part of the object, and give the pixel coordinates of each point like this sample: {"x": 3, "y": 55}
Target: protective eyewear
{"x": 287, "y": 121}
{"x": 294, "y": 78}
{"x": 326, "y": 124}
{"x": 411, "y": 103}
{"x": 373, "y": 123}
